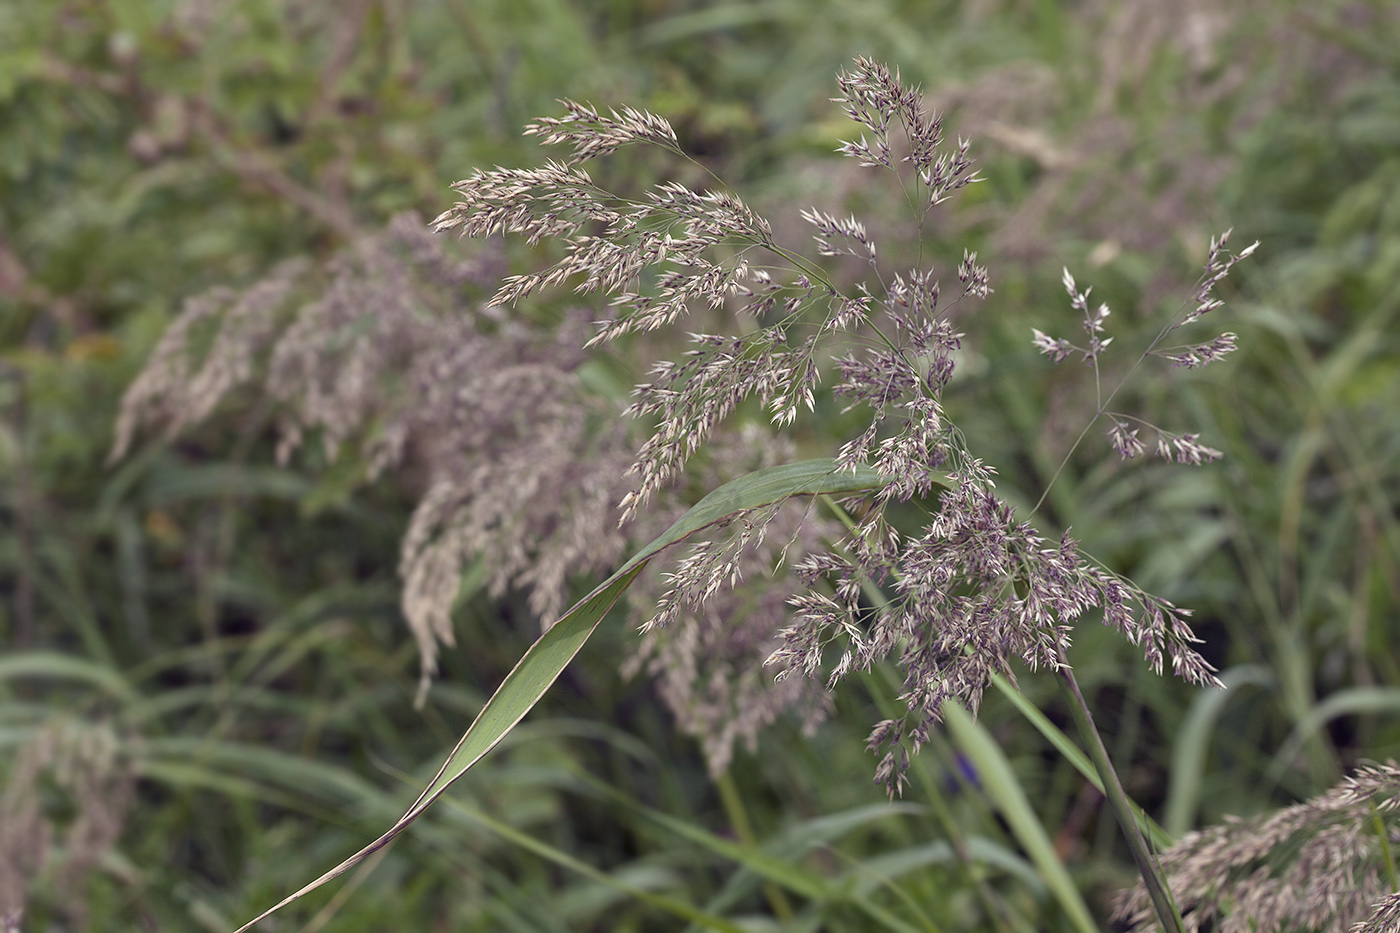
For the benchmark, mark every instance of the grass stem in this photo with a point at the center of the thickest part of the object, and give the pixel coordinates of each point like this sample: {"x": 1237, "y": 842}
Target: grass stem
{"x": 1162, "y": 903}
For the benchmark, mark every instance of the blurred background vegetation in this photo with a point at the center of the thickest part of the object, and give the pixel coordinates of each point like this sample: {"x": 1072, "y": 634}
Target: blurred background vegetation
{"x": 206, "y": 692}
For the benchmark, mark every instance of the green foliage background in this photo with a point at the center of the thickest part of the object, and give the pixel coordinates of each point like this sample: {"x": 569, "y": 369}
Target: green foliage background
{"x": 233, "y": 628}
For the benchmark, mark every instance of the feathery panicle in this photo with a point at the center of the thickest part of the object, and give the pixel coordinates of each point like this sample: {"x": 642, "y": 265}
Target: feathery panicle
{"x": 696, "y": 243}
{"x": 875, "y": 97}
{"x": 1219, "y": 262}
{"x": 978, "y": 588}
{"x": 84, "y": 764}
{"x": 1317, "y": 865}
{"x": 1201, "y": 354}
{"x": 172, "y": 390}
{"x": 975, "y": 591}
{"x": 714, "y": 618}
{"x": 1183, "y": 448}
{"x": 829, "y": 229}
{"x": 1385, "y": 916}
{"x": 518, "y": 465}
{"x": 593, "y": 134}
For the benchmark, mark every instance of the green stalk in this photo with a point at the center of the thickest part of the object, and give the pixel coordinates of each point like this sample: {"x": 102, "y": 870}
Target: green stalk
{"x": 1161, "y": 896}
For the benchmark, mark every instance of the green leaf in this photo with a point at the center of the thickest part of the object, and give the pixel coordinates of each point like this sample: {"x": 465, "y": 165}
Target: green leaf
{"x": 778, "y": 861}
{"x": 547, "y": 657}
{"x": 1003, "y": 789}
{"x": 671, "y": 905}
{"x": 1193, "y": 738}
{"x": 55, "y": 666}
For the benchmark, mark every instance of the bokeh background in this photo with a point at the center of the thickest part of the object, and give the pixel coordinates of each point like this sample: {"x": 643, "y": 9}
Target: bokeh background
{"x": 206, "y": 687}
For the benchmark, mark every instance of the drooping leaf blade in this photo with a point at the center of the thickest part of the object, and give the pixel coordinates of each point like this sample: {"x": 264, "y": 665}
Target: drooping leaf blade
{"x": 546, "y": 659}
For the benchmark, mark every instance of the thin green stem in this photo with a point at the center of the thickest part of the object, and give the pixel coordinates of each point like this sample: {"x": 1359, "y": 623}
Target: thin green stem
{"x": 1103, "y": 403}
{"x": 1148, "y": 867}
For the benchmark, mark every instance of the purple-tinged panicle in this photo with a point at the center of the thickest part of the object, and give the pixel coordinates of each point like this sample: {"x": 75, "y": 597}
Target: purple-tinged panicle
{"x": 1201, "y": 354}
{"x": 593, "y": 134}
{"x": 1055, "y": 348}
{"x": 1125, "y": 441}
{"x": 1219, "y": 262}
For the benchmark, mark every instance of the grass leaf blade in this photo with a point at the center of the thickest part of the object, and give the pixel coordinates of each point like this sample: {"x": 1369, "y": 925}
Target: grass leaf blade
{"x": 546, "y": 659}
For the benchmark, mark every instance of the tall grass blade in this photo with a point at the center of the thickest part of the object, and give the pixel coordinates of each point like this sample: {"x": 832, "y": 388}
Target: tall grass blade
{"x": 1355, "y": 701}
{"x": 1193, "y": 742}
{"x": 550, "y": 654}
{"x": 1002, "y": 788}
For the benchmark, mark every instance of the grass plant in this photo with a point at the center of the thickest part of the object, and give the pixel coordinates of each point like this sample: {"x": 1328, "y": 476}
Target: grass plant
{"x": 975, "y": 588}
{"x": 207, "y": 690}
